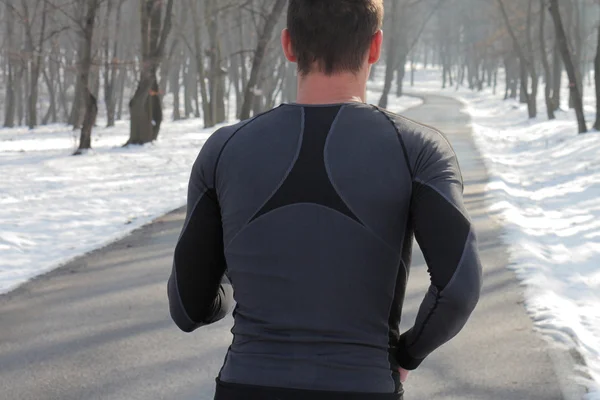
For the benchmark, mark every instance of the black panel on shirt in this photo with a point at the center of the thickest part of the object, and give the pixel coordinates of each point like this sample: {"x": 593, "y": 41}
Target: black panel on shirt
{"x": 308, "y": 181}
{"x": 203, "y": 235}
{"x": 441, "y": 227}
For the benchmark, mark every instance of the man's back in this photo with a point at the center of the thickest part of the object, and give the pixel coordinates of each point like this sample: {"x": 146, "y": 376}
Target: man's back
{"x": 317, "y": 207}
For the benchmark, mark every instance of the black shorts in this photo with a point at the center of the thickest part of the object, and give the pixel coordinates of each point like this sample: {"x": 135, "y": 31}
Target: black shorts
{"x": 235, "y": 391}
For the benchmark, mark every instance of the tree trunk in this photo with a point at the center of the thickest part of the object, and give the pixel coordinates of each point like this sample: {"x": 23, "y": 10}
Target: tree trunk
{"x": 461, "y": 75}
{"x": 187, "y": 94}
{"x": 532, "y": 99}
{"x": 515, "y": 80}
{"x": 62, "y": 95}
{"x": 111, "y": 67}
{"x": 391, "y": 56}
{"x": 507, "y": 77}
{"x": 216, "y": 77}
{"x": 444, "y": 71}
{"x": 35, "y": 69}
{"x": 145, "y": 106}
{"x": 259, "y": 55}
{"x": 175, "y": 86}
{"x": 91, "y": 105}
{"x": 557, "y": 70}
{"x": 201, "y": 73}
{"x": 155, "y": 109}
{"x": 79, "y": 97}
{"x": 570, "y": 67}
{"x": 243, "y": 61}
{"x": 9, "y": 110}
{"x": 234, "y": 75}
{"x": 51, "y": 112}
{"x": 524, "y": 90}
{"x": 576, "y": 55}
{"x": 526, "y": 64}
{"x": 546, "y": 65}
{"x": 495, "y": 80}
{"x": 401, "y": 74}
{"x": 121, "y": 85}
{"x": 19, "y": 94}
{"x": 195, "y": 96}
{"x": 597, "y": 79}
{"x": 141, "y": 130}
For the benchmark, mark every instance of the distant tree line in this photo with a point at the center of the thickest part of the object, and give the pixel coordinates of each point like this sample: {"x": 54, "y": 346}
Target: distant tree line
{"x": 66, "y": 61}
{"x": 532, "y": 41}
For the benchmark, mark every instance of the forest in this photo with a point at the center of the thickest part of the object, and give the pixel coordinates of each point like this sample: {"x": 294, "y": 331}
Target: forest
{"x": 89, "y": 63}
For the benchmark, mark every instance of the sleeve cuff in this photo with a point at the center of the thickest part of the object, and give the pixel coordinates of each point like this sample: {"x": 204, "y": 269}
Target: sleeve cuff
{"x": 404, "y": 359}
{"x": 222, "y": 304}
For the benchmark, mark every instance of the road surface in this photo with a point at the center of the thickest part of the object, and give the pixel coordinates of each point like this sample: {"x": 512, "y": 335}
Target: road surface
{"x": 99, "y": 327}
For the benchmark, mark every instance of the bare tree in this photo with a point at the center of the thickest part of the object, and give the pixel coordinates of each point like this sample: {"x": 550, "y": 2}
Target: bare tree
{"x": 406, "y": 30}
{"x": 199, "y": 61}
{"x": 91, "y": 104}
{"x": 545, "y": 64}
{"x": 569, "y": 66}
{"x": 597, "y": 79}
{"x": 216, "y": 74}
{"x": 527, "y": 65}
{"x": 35, "y": 47}
{"x": 259, "y": 55}
{"x": 557, "y": 71}
{"x": 9, "y": 112}
{"x": 111, "y": 61}
{"x": 145, "y": 107}
{"x": 391, "y": 57}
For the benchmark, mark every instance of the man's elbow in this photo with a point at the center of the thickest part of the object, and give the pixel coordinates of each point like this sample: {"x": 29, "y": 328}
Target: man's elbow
{"x": 465, "y": 296}
{"x": 176, "y": 309}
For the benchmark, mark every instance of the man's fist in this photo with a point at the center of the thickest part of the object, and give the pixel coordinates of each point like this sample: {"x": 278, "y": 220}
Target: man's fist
{"x": 403, "y": 375}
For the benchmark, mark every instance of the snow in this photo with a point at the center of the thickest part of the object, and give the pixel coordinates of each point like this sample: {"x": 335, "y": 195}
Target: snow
{"x": 54, "y": 207}
{"x": 545, "y": 185}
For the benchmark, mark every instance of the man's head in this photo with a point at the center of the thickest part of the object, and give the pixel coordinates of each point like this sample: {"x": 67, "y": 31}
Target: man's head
{"x": 333, "y": 36}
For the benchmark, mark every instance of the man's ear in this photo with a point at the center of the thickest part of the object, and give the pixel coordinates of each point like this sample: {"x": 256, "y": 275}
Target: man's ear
{"x": 286, "y": 44}
{"x": 375, "y": 50}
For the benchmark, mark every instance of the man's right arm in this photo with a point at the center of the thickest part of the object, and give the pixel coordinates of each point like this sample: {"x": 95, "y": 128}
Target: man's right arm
{"x": 447, "y": 239}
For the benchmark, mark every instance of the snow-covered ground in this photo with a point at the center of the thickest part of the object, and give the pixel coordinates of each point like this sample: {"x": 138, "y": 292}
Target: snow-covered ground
{"x": 54, "y": 206}
{"x": 545, "y": 183}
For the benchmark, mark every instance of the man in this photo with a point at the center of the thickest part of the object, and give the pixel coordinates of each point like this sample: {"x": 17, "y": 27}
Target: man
{"x": 310, "y": 210}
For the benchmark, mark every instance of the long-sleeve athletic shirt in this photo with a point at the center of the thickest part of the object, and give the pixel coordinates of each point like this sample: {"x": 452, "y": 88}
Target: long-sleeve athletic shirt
{"x": 307, "y": 215}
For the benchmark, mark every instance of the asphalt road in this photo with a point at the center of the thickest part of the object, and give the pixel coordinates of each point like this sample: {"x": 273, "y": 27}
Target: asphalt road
{"x": 99, "y": 327}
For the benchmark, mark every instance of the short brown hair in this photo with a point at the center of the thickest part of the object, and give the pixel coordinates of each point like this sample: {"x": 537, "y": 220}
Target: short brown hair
{"x": 333, "y": 34}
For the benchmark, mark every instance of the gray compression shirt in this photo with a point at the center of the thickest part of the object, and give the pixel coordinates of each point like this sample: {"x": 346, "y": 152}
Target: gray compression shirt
{"x": 307, "y": 215}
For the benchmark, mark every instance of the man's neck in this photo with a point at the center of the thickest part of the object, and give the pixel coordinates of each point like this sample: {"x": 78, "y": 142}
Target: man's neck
{"x": 318, "y": 88}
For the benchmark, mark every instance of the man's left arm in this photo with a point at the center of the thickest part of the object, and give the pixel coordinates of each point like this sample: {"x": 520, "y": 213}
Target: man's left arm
{"x": 199, "y": 293}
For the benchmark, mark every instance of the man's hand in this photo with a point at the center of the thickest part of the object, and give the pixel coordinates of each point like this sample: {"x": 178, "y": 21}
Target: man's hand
{"x": 403, "y": 375}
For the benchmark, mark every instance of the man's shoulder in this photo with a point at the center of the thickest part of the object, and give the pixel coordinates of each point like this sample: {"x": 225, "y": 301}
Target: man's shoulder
{"x": 416, "y": 134}
{"x": 407, "y": 126}
{"x": 223, "y": 135}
